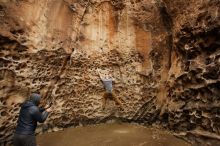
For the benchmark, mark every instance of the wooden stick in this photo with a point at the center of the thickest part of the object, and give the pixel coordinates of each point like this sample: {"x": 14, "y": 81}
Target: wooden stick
{"x": 205, "y": 134}
{"x": 199, "y": 133}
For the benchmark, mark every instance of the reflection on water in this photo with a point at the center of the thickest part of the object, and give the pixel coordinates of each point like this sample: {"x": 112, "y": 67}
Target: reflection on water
{"x": 110, "y": 135}
{"x": 121, "y": 131}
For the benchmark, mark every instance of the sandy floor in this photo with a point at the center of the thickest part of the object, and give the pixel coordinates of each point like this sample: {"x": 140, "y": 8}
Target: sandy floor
{"x": 110, "y": 135}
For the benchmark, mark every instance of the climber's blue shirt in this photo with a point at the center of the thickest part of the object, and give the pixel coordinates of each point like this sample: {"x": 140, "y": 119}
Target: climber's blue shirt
{"x": 108, "y": 85}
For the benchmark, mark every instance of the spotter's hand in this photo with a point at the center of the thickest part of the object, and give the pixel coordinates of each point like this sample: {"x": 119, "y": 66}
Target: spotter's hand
{"x": 49, "y": 110}
{"x": 47, "y": 106}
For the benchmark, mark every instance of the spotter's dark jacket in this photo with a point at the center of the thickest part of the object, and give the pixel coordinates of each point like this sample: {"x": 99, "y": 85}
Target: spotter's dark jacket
{"x": 29, "y": 115}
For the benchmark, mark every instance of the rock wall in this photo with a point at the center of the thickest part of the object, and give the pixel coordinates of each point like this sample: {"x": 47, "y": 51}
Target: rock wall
{"x": 56, "y": 46}
{"x": 163, "y": 55}
{"x": 193, "y": 83}
{"x": 191, "y": 88}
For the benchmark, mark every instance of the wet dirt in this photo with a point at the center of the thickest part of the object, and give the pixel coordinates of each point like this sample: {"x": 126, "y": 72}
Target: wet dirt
{"x": 110, "y": 135}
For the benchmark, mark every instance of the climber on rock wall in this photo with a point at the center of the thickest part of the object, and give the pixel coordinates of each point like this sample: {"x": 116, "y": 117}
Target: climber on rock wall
{"x": 109, "y": 93}
{"x": 29, "y": 115}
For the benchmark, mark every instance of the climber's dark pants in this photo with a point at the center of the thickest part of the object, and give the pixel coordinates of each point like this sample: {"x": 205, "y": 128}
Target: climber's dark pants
{"x": 24, "y": 140}
{"x": 111, "y": 96}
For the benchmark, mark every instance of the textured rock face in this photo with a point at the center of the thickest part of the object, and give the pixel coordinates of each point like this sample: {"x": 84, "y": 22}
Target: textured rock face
{"x": 163, "y": 55}
{"x": 55, "y": 47}
{"x": 193, "y": 84}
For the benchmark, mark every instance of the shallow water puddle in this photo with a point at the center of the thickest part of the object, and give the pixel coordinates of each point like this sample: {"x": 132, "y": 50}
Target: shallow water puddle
{"x": 110, "y": 135}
